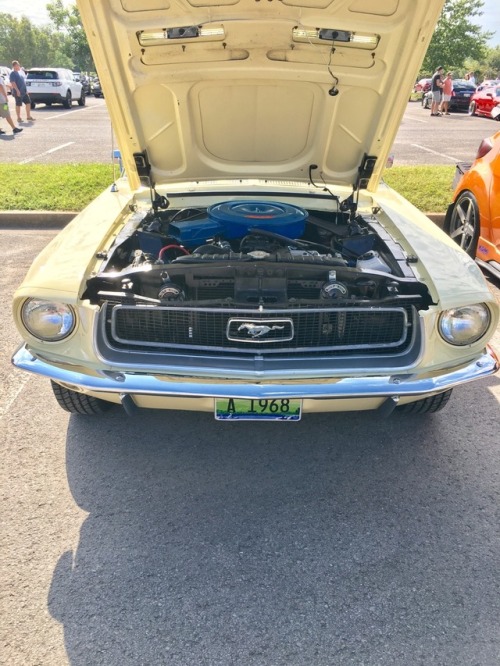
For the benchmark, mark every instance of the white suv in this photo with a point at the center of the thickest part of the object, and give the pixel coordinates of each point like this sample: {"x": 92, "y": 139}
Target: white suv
{"x": 54, "y": 86}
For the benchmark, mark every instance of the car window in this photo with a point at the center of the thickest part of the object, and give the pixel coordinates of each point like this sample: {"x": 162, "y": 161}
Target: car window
{"x": 44, "y": 75}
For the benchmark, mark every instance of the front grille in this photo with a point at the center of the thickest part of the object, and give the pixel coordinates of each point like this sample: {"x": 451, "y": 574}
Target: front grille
{"x": 374, "y": 330}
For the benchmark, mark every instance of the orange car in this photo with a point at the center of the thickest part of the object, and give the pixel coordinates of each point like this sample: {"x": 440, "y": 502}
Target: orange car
{"x": 473, "y": 219}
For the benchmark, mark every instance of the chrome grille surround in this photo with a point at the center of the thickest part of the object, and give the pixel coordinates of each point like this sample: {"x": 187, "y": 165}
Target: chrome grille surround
{"x": 182, "y": 328}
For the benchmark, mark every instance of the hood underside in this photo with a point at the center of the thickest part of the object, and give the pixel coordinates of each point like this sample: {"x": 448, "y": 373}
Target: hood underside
{"x": 208, "y": 90}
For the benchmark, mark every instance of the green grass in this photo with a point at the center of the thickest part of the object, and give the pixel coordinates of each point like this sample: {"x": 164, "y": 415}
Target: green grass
{"x": 65, "y": 187}
{"x": 70, "y": 187}
{"x": 426, "y": 187}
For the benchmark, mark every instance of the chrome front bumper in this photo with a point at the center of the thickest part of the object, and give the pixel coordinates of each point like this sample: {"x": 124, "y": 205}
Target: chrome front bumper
{"x": 128, "y": 383}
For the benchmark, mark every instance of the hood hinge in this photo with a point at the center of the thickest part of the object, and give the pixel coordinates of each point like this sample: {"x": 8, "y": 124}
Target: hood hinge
{"x": 143, "y": 167}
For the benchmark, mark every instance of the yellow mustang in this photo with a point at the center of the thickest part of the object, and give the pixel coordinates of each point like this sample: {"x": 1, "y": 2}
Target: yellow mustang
{"x": 252, "y": 263}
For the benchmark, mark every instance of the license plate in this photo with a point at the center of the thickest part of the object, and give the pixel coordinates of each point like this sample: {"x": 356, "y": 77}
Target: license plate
{"x": 240, "y": 409}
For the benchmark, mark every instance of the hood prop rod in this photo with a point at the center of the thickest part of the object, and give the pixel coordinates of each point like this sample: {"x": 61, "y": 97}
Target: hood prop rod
{"x": 365, "y": 171}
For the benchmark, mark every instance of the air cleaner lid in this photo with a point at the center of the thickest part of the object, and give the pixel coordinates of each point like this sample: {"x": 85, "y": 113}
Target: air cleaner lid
{"x": 238, "y": 217}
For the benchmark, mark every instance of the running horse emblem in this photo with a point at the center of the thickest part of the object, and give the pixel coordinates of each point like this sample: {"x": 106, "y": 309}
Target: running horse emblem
{"x": 257, "y": 331}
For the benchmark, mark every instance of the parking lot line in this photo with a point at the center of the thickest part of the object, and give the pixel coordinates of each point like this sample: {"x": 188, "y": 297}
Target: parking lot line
{"x": 47, "y": 152}
{"x": 429, "y": 150}
{"x": 64, "y": 114}
{"x": 19, "y": 381}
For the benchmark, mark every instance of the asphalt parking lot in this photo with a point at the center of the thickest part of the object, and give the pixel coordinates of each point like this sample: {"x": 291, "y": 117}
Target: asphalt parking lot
{"x": 84, "y": 134}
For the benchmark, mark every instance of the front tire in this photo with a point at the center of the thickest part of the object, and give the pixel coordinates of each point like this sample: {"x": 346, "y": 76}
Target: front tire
{"x": 68, "y": 100}
{"x": 428, "y": 405}
{"x": 464, "y": 226}
{"x": 472, "y": 109}
{"x": 79, "y": 403}
{"x": 82, "y": 99}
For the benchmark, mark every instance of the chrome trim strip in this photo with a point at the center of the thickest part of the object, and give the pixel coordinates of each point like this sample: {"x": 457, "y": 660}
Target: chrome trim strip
{"x": 346, "y": 387}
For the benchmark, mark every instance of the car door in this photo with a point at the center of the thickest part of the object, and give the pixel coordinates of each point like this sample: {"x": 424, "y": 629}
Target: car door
{"x": 75, "y": 86}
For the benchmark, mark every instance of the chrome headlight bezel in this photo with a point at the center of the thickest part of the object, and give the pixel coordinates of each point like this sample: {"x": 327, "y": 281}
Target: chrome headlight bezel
{"x": 465, "y": 325}
{"x": 50, "y": 321}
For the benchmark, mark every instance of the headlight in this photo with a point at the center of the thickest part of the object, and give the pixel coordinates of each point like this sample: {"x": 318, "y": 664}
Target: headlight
{"x": 464, "y": 326}
{"x": 48, "y": 320}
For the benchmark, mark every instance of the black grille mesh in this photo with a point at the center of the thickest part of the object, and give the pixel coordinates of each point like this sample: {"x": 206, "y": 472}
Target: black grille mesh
{"x": 354, "y": 329}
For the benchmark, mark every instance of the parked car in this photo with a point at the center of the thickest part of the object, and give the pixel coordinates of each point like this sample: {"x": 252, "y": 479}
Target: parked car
{"x": 96, "y": 88}
{"x": 473, "y": 219}
{"x": 422, "y": 86}
{"x": 84, "y": 80}
{"x": 460, "y": 96}
{"x": 486, "y": 103}
{"x": 54, "y": 86}
{"x": 487, "y": 84}
{"x": 5, "y": 75}
{"x": 252, "y": 264}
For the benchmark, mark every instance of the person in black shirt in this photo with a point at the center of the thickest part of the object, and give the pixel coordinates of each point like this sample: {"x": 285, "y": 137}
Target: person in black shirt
{"x": 437, "y": 91}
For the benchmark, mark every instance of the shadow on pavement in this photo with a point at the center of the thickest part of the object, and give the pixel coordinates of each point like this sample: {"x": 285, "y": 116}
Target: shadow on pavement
{"x": 343, "y": 539}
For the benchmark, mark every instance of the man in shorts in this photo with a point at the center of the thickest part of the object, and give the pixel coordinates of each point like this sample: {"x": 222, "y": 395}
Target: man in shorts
{"x": 436, "y": 89}
{"x": 4, "y": 109}
{"x": 19, "y": 91}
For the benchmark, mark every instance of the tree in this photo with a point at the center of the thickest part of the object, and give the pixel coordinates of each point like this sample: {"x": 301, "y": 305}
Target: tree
{"x": 493, "y": 62}
{"x": 33, "y": 46}
{"x": 456, "y": 37}
{"x": 67, "y": 22}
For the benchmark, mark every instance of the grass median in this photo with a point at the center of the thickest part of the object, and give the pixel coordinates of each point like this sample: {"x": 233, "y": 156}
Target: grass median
{"x": 70, "y": 187}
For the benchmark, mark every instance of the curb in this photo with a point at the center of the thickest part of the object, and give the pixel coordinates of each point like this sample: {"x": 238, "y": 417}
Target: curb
{"x": 35, "y": 219}
{"x": 42, "y": 219}
{"x": 437, "y": 218}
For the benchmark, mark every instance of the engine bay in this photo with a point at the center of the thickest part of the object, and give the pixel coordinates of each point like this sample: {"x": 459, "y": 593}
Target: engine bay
{"x": 255, "y": 253}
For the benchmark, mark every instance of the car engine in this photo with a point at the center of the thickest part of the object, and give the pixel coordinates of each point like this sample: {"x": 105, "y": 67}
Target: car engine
{"x": 254, "y": 253}
{"x": 245, "y": 282}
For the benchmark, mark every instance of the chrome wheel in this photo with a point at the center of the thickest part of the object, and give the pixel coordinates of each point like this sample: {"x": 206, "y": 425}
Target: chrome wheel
{"x": 464, "y": 223}
{"x": 472, "y": 109}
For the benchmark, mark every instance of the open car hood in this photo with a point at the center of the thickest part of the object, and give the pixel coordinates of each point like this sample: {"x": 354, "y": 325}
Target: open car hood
{"x": 206, "y": 90}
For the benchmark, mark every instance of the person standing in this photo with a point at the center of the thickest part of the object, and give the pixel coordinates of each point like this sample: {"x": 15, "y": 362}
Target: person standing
{"x": 447, "y": 93}
{"x": 436, "y": 90}
{"x": 472, "y": 78}
{"x": 19, "y": 91}
{"x": 4, "y": 108}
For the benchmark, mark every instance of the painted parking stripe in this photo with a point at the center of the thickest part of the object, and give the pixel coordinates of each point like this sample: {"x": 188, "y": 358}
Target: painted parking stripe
{"x": 12, "y": 392}
{"x": 47, "y": 152}
{"x": 429, "y": 150}
{"x": 54, "y": 116}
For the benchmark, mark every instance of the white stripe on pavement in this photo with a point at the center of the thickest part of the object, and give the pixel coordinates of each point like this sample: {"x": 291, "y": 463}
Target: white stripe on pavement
{"x": 47, "y": 152}
{"x": 7, "y": 401}
{"x": 66, "y": 113}
{"x": 429, "y": 150}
